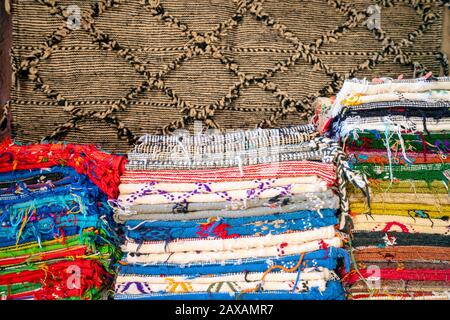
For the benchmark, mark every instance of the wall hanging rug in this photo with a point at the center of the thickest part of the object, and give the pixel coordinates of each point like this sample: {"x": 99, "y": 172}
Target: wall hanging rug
{"x": 58, "y": 239}
{"x": 396, "y": 134}
{"x": 215, "y": 217}
{"x": 228, "y": 64}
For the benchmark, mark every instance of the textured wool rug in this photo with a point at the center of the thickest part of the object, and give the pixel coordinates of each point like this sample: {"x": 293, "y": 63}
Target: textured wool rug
{"x": 5, "y": 72}
{"x": 107, "y": 71}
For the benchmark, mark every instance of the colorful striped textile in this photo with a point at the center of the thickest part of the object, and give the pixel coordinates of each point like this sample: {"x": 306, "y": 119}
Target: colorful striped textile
{"x": 58, "y": 239}
{"x": 214, "y": 217}
{"x": 396, "y": 134}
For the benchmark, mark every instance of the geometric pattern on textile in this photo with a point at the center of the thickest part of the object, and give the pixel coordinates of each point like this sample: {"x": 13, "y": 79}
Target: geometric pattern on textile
{"x": 155, "y": 66}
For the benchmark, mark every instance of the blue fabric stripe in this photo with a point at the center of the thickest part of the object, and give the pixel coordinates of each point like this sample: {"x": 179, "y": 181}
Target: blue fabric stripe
{"x": 168, "y": 234}
{"x": 234, "y": 227}
{"x": 334, "y": 291}
{"x": 303, "y": 214}
{"x": 326, "y": 258}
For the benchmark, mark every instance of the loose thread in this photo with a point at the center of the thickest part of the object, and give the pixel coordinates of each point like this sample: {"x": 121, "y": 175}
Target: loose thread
{"x": 293, "y": 269}
{"x": 356, "y": 269}
{"x": 386, "y": 134}
{"x": 24, "y": 222}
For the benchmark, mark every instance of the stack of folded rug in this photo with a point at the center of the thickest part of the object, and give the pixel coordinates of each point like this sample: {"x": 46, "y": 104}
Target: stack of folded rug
{"x": 243, "y": 215}
{"x": 57, "y": 237}
{"x": 397, "y": 133}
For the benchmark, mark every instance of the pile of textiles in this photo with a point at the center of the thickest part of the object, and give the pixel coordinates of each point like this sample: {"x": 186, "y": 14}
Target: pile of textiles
{"x": 57, "y": 233}
{"x": 396, "y": 132}
{"x": 243, "y": 215}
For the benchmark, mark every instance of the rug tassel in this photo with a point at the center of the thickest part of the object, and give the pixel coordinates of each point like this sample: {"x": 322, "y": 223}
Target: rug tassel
{"x": 8, "y": 6}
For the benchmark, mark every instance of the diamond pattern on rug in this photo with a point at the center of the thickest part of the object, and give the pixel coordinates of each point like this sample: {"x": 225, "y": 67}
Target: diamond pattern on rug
{"x": 137, "y": 66}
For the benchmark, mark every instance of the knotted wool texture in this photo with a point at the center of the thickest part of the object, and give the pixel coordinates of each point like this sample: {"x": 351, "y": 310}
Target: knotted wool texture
{"x": 135, "y": 67}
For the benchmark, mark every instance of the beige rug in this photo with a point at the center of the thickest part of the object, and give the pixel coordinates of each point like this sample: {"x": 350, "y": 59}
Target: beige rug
{"x": 138, "y": 66}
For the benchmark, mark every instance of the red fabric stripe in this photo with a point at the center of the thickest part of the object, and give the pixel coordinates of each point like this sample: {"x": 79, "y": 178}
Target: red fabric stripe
{"x": 283, "y": 169}
{"x": 102, "y": 168}
{"x": 412, "y": 274}
{"x": 59, "y": 280}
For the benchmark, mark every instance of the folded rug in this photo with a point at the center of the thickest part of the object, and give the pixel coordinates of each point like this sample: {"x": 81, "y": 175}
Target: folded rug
{"x": 315, "y": 199}
{"x": 58, "y": 239}
{"x": 333, "y": 291}
{"x": 247, "y": 215}
{"x": 407, "y": 224}
{"x": 396, "y": 134}
{"x": 218, "y": 227}
{"x": 308, "y": 279}
{"x": 102, "y": 168}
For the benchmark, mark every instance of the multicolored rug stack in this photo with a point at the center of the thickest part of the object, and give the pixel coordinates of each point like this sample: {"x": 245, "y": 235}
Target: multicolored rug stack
{"x": 397, "y": 133}
{"x": 243, "y": 215}
{"x": 57, "y": 237}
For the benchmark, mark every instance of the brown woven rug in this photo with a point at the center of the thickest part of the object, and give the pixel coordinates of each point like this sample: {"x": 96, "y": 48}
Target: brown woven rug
{"x": 5, "y": 72}
{"x": 147, "y": 66}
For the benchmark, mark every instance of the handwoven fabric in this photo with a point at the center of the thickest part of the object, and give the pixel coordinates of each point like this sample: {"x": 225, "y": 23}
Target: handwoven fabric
{"x": 315, "y": 149}
{"x": 409, "y": 253}
{"x": 229, "y": 227}
{"x": 411, "y": 198}
{"x": 249, "y": 225}
{"x": 101, "y": 167}
{"x": 363, "y": 239}
{"x": 402, "y": 209}
{"x": 319, "y": 149}
{"x": 408, "y": 223}
{"x": 411, "y": 264}
{"x": 76, "y": 245}
{"x": 407, "y": 296}
{"x": 39, "y": 212}
{"x": 153, "y": 188}
{"x": 227, "y": 244}
{"x": 228, "y": 142}
{"x": 355, "y": 88}
{"x": 251, "y": 172}
{"x": 326, "y": 258}
{"x": 417, "y": 275}
{"x": 405, "y": 186}
{"x": 311, "y": 203}
{"x": 406, "y": 111}
{"x": 212, "y": 256}
{"x": 219, "y": 286}
{"x": 428, "y": 96}
{"x": 393, "y": 123}
{"x": 229, "y": 64}
{"x": 427, "y": 172}
{"x": 316, "y": 200}
{"x": 396, "y": 134}
{"x": 397, "y": 286}
{"x": 50, "y": 282}
{"x": 402, "y": 289}
{"x": 241, "y": 212}
{"x": 333, "y": 291}
{"x": 308, "y": 279}
{"x": 58, "y": 238}
{"x": 404, "y": 105}
{"x": 424, "y": 143}
{"x": 381, "y": 157}
{"x": 436, "y": 290}
{"x": 233, "y": 195}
